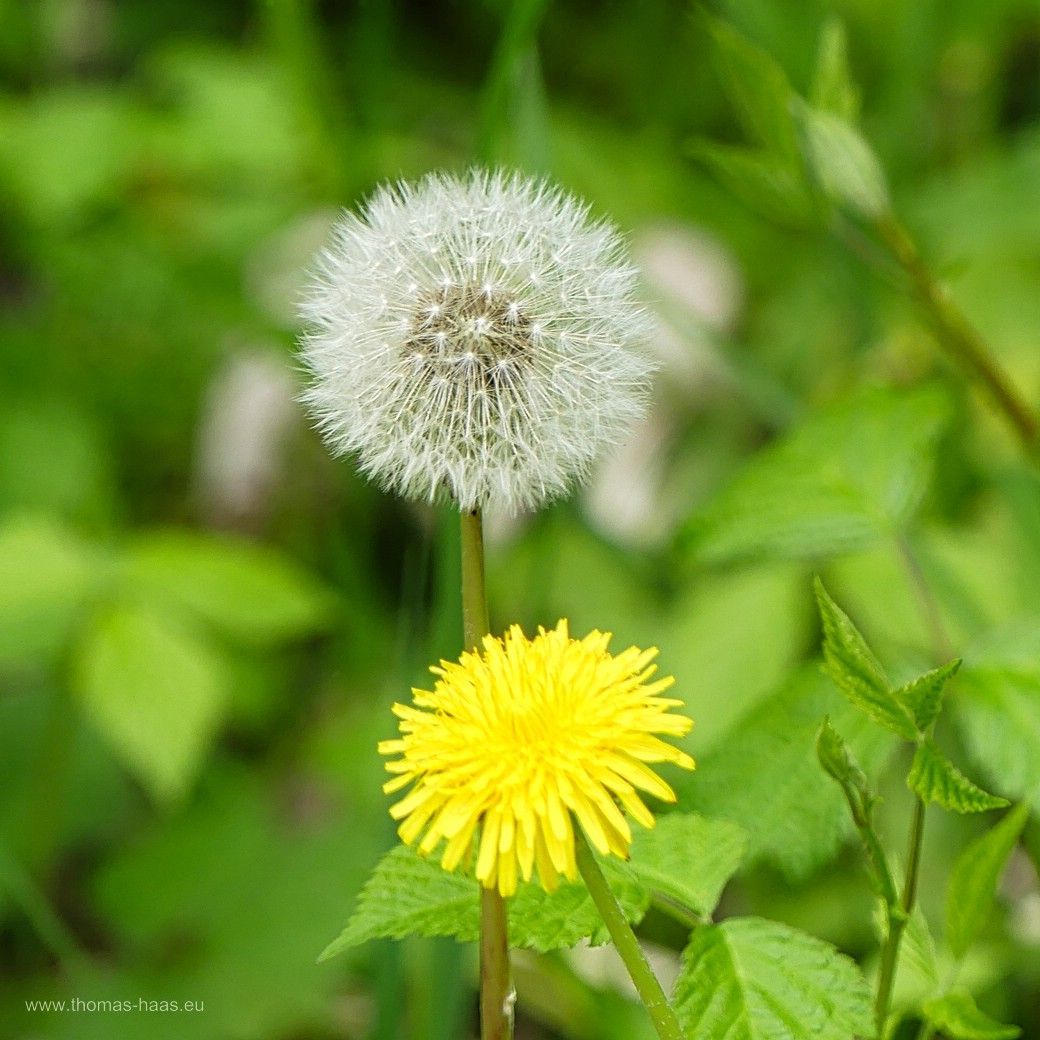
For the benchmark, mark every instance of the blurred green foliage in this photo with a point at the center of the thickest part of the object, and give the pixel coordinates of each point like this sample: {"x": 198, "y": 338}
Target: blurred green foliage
{"x": 203, "y": 619}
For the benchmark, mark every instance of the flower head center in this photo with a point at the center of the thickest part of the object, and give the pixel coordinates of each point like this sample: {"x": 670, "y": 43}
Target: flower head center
{"x": 472, "y": 330}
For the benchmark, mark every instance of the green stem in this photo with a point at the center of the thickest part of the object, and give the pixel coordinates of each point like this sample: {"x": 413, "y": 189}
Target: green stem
{"x": 898, "y": 916}
{"x": 627, "y": 945}
{"x": 862, "y": 817}
{"x": 496, "y": 987}
{"x": 17, "y": 883}
{"x": 961, "y": 338}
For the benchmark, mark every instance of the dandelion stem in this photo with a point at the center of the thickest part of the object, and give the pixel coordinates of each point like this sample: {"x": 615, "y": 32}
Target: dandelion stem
{"x": 626, "y": 943}
{"x": 496, "y": 988}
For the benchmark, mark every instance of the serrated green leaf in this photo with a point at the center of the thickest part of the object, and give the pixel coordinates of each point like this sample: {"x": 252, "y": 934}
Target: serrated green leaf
{"x": 156, "y": 691}
{"x": 957, "y": 1016}
{"x": 751, "y": 979}
{"x": 934, "y": 778}
{"x": 807, "y": 817}
{"x": 846, "y": 479}
{"x": 856, "y": 671}
{"x": 408, "y": 895}
{"x": 250, "y": 592}
{"x": 757, "y": 87}
{"x": 760, "y": 179}
{"x": 688, "y": 858}
{"x": 974, "y": 879}
{"x": 924, "y": 695}
{"x": 848, "y": 171}
{"x": 46, "y": 574}
{"x": 833, "y": 89}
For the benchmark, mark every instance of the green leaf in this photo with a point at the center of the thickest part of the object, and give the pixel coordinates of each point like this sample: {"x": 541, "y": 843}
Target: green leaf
{"x": 751, "y": 979}
{"x": 688, "y": 858}
{"x": 408, "y": 895}
{"x": 856, "y": 672}
{"x": 760, "y": 179}
{"x": 833, "y": 89}
{"x": 846, "y": 479}
{"x": 250, "y": 592}
{"x": 741, "y": 632}
{"x": 848, "y": 171}
{"x": 46, "y": 576}
{"x": 156, "y": 691}
{"x": 997, "y": 708}
{"x": 835, "y": 758}
{"x": 974, "y": 879}
{"x": 807, "y": 817}
{"x": 924, "y": 695}
{"x": 956, "y": 1016}
{"x": 55, "y": 461}
{"x": 757, "y": 87}
{"x": 934, "y": 778}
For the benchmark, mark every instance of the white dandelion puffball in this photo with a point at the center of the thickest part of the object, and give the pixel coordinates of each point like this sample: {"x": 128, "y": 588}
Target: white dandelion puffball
{"x": 475, "y": 338}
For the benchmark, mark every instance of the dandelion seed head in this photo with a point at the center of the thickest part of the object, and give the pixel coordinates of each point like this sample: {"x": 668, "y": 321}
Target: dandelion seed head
{"x": 524, "y": 740}
{"x": 475, "y": 338}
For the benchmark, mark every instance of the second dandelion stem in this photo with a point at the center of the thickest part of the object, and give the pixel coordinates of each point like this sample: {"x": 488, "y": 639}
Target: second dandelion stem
{"x": 496, "y": 988}
{"x": 627, "y": 945}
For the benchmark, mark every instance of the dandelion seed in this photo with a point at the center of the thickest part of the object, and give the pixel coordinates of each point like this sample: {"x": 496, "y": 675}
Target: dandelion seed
{"x": 506, "y": 289}
{"x": 522, "y": 741}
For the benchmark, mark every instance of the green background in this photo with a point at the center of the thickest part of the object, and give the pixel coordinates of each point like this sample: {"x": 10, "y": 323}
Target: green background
{"x": 204, "y": 618}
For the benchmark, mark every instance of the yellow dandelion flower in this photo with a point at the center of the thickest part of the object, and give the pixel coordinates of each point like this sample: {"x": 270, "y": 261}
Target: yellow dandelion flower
{"x": 521, "y": 738}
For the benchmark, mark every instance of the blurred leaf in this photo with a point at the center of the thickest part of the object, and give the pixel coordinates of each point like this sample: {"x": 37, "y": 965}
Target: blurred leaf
{"x": 249, "y": 592}
{"x": 919, "y": 970}
{"x": 730, "y": 641}
{"x": 226, "y": 898}
{"x": 408, "y": 895}
{"x": 846, "y": 167}
{"x": 688, "y": 858}
{"x": 924, "y": 695}
{"x": 856, "y": 671}
{"x": 807, "y": 818}
{"x": 934, "y": 778}
{"x": 514, "y": 126}
{"x": 156, "y": 691}
{"x": 46, "y": 576}
{"x": 845, "y": 479}
{"x": 974, "y": 879}
{"x": 53, "y": 459}
{"x": 998, "y": 706}
{"x": 833, "y": 89}
{"x": 757, "y": 87}
{"x": 220, "y": 97}
{"x": 67, "y": 149}
{"x": 751, "y": 979}
{"x": 760, "y": 180}
{"x": 956, "y": 1016}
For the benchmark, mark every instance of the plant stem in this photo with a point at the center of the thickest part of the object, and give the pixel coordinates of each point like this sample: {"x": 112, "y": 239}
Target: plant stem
{"x": 649, "y": 989}
{"x": 960, "y": 337}
{"x": 898, "y": 916}
{"x": 496, "y": 987}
